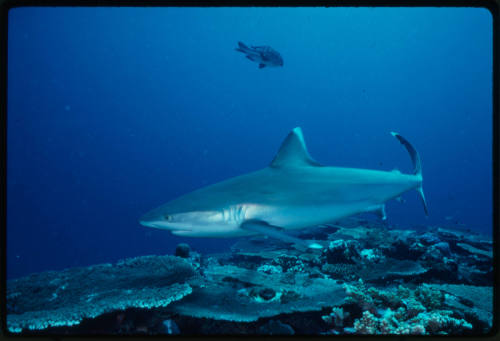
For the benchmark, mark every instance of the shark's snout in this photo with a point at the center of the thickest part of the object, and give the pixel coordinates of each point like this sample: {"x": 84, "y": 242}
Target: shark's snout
{"x": 147, "y": 223}
{"x": 149, "y": 219}
{"x": 155, "y": 220}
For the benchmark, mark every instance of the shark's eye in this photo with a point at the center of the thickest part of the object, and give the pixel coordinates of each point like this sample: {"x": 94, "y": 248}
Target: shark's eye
{"x": 168, "y": 217}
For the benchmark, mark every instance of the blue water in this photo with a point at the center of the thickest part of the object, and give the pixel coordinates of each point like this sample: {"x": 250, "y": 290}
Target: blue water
{"x": 114, "y": 111}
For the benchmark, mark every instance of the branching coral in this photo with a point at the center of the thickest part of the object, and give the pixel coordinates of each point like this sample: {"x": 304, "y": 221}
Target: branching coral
{"x": 437, "y": 322}
{"x": 340, "y": 270}
{"x": 430, "y": 298}
{"x": 336, "y": 318}
{"x": 289, "y": 263}
{"x": 270, "y": 269}
{"x": 410, "y": 311}
{"x": 358, "y": 294}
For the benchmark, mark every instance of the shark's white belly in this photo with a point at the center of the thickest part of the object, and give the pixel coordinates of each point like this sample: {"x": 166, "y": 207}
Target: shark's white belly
{"x": 291, "y": 217}
{"x": 306, "y": 216}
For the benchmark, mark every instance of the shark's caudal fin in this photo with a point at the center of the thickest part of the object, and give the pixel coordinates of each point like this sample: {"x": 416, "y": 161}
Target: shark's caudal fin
{"x": 293, "y": 152}
{"x": 417, "y": 165}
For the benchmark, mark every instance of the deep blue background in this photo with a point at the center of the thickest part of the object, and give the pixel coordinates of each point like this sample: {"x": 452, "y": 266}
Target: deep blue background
{"x": 113, "y": 111}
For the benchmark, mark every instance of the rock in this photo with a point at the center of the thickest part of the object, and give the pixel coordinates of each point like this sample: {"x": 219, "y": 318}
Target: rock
{"x": 449, "y": 235}
{"x": 352, "y": 233}
{"x": 340, "y": 251}
{"x": 460, "y": 296}
{"x": 436, "y": 252}
{"x": 182, "y": 250}
{"x": 171, "y": 327}
{"x": 432, "y": 255}
{"x": 276, "y": 328}
{"x": 472, "y": 250}
{"x": 442, "y": 269}
{"x": 372, "y": 255}
{"x": 402, "y": 250}
{"x": 335, "y": 319}
{"x": 429, "y": 239}
{"x": 392, "y": 269}
{"x": 444, "y": 248}
{"x": 267, "y": 293}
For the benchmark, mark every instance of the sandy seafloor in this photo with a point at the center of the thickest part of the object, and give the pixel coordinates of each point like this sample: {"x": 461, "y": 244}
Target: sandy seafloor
{"x": 370, "y": 278}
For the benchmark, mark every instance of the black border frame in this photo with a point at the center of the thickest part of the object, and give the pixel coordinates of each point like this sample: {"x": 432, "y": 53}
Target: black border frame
{"x": 493, "y": 6}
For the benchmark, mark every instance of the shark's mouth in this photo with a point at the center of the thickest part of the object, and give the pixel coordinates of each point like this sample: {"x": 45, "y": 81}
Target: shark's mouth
{"x": 181, "y": 232}
{"x": 163, "y": 226}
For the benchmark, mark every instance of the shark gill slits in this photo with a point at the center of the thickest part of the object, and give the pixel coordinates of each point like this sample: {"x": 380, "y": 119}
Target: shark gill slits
{"x": 234, "y": 213}
{"x": 239, "y": 213}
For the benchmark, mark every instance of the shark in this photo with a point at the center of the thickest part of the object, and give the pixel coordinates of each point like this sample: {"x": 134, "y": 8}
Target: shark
{"x": 293, "y": 192}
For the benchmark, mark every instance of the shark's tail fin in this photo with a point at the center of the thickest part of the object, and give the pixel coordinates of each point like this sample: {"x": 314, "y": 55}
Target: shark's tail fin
{"x": 241, "y": 47}
{"x": 417, "y": 166}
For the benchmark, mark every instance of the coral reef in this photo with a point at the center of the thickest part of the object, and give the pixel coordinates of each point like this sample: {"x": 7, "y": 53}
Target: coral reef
{"x": 146, "y": 298}
{"x": 55, "y": 299}
{"x": 230, "y": 288}
{"x": 371, "y": 278}
{"x": 403, "y": 311}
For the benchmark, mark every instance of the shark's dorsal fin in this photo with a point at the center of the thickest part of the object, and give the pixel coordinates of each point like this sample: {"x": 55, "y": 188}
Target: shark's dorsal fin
{"x": 293, "y": 152}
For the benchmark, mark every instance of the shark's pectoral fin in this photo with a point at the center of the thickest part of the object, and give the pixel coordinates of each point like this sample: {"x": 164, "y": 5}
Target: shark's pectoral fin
{"x": 264, "y": 228}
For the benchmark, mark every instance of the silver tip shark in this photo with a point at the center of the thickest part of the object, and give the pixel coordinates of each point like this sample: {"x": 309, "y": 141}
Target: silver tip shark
{"x": 293, "y": 192}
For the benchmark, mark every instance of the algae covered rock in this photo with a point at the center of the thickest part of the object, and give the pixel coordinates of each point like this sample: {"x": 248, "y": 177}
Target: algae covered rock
{"x": 182, "y": 250}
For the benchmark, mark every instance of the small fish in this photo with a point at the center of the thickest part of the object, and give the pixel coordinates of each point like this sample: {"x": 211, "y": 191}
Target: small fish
{"x": 264, "y": 55}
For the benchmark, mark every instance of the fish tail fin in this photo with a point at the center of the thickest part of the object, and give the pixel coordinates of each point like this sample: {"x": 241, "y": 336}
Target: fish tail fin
{"x": 241, "y": 47}
{"x": 415, "y": 158}
{"x": 417, "y": 166}
{"x": 420, "y": 190}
